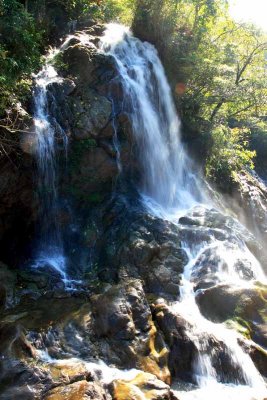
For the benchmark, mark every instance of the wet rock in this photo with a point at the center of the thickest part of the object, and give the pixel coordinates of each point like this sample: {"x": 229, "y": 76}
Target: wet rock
{"x": 81, "y": 390}
{"x": 61, "y": 89}
{"x": 113, "y": 316}
{"x": 220, "y": 259}
{"x": 143, "y": 386}
{"x": 228, "y": 247}
{"x": 221, "y": 226}
{"x": 182, "y": 348}
{"x": 122, "y": 316}
{"x": 68, "y": 372}
{"x": 107, "y": 132}
{"x": 38, "y": 281}
{"x": 143, "y": 246}
{"x": 248, "y": 305}
{"x": 80, "y": 60}
{"x": 91, "y": 171}
{"x": 21, "y": 381}
{"x": 259, "y": 357}
{"x": 91, "y": 113}
{"x": 115, "y": 326}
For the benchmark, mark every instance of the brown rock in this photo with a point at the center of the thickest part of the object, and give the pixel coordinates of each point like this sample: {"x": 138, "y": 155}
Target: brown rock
{"x": 143, "y": 386}
{"x": 248, "y": 305}
{"x": 122, "y": 316}
{"x": 81, "y": 390}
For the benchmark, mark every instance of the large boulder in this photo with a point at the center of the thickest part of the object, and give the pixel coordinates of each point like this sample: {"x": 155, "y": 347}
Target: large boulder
{"x": 246, "y": 305}
{"x": 81, "y": 390}
{"x": 187, "y": 342}
{"x": 182, "y": 349}
{"x": 143, "y": 386}
{"x": 136, "y": 244}
{"x": 122, "y": 318}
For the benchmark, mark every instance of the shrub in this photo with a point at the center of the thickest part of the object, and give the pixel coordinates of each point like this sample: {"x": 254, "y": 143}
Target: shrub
{"x": 229, "y": 154}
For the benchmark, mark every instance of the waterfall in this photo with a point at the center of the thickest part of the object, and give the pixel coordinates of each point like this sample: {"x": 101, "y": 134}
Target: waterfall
{"x": 167, "y": 179}
{"x": 169, "y": 188}
{"x": 50, "y": 250}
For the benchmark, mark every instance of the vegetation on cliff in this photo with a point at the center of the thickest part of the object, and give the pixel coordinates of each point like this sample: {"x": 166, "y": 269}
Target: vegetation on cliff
{"x": 217, "y": 68}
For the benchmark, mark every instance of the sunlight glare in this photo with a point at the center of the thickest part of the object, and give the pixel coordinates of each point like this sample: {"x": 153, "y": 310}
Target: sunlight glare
{"x": 250, "y": 11}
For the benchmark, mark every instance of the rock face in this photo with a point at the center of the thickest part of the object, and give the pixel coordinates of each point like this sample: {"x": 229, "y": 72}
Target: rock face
{"x": 143, "y": 386}
{"x": 81, "y": 390}
{"x": 123, "y": 319}
{"x": 18, "y": 208}
{"x": 247, "y": 306}
{"x": 116, "y": 326}
{"x": 84, "y": 111}
{"x": 142, "y": 246}
{"x": 251, "y": 195}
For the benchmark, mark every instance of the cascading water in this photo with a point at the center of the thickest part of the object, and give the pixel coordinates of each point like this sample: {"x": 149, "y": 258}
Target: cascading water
{"x": 169, "y": 188}
{"x": 50, "y": 248}
{"x": 167, "y": 179}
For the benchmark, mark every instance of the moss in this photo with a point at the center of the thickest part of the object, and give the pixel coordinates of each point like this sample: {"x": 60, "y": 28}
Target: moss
{"x": 58, "y": 62}
{"x": 240, "y": 325}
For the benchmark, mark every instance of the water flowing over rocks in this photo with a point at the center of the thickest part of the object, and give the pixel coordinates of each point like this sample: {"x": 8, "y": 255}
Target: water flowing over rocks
{"x": 115, "y": 330}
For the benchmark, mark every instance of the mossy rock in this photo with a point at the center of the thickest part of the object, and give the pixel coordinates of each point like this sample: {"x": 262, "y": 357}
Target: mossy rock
{"x": 245, "y": 307}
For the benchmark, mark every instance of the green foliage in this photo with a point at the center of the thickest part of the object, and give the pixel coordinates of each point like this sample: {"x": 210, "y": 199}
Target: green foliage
{"x": 59, "y": 63}
{"x": 240, "y": 325}
{"x": 20, "y": 39}
{"x": 25, "y": 31}
{"x": 78, "y": 9}
{"x": 118, "y": 10}
{"x": 103, "y": 10}
{"x": 217, "y": 69}
{"x": 229, "y": 154}
{"x": 19, "y": 52}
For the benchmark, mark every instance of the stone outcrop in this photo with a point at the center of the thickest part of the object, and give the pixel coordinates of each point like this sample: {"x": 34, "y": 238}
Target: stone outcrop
{"x": 123, "y": 318}
{"x": 136, "y": 244}
{"x": 81, "y": 390}
{"x": 251, "y": 199}
{"x": 143, "y": 386}
{"x": 247, "y": 306}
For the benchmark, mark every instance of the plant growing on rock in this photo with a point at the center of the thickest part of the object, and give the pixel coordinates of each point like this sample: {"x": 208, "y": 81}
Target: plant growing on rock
{"x": 229, "y": 154}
